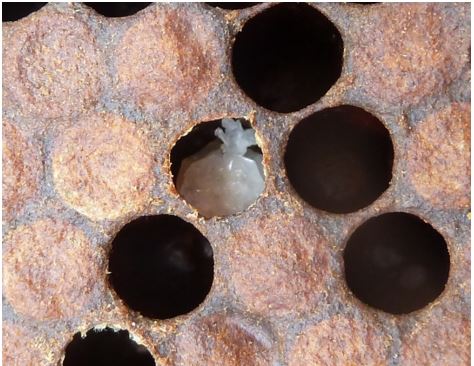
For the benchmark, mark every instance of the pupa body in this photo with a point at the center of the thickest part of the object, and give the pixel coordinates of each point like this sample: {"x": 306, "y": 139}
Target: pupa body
{"x": 223, "y": 178}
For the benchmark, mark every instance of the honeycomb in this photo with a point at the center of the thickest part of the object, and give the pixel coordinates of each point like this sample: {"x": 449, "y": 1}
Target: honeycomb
{"x": 356, "y": 253}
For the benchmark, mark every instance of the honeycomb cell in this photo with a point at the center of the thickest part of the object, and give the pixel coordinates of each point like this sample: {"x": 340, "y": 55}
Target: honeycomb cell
{"x": 441, "y": 172}
{"x": 448, "y": 335}
{"x": 289, "y": 256}
{"x": 50, "y": 270}
{"x": 339, "y": 159}
{"x": 400, "y": 59}
{"x": 220, "y": 340}
{"x": 396, "y": 262}
{"x": 340, "y": 341}
{"x": 51, "y": 74}
{"x": 103, "y": 167}
{"x": 225, "y": 176}
{"x": 20, "y": 348}
{"x": 169, "y": 59}
{"x": 287, "y": 57}
{"x": 106, "y": 347}
{"x": 21, "y": 170}
{"x": 161, "y": 266}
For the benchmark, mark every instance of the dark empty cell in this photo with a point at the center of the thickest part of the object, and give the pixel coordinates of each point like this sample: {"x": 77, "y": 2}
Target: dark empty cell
{"x": 161, "y": 266}
{"x": 16, "y": 11}
{"x": 106, "y": 348}
{"x": 287, "y": 57}
{"x": 114, "y": 10}
{"x": 397, "y": 263}
{"x": 339, "y": 159}
{"x": 232, "y": 6}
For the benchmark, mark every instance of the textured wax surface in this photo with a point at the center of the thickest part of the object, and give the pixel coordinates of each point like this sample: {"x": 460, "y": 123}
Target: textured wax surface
{"x": 93, "y": 107}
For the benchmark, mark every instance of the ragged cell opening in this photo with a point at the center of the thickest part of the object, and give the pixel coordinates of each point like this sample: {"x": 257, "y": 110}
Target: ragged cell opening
{"x": 339, "y": 159}
{"x": 396, "y": 262}
{"x": 287, "y": 57}
{"x": 217, "y": 167}
{"x": 106, "y": 347}
{"x": 12, "y": 11}
{"x": 116, "y": 10}
{"x": 161, "y": 266}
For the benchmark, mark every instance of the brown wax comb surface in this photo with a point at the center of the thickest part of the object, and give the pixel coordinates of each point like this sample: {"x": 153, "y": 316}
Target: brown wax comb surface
{"x": 356, "y": 253}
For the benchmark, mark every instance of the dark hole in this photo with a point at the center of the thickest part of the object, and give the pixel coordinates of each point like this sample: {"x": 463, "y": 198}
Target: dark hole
{"x": 232, "y": 6}
{"x": 16, "y": 11}
{"x": 287, "y": 57}
{"x": 115, "y": 10}
{"x": 161, "y": 266}
{"x": 106, "y": 348}
{"x": 201, "y": 135}
{"x": 396, "y": 262}
{"x": 339, "y": 159}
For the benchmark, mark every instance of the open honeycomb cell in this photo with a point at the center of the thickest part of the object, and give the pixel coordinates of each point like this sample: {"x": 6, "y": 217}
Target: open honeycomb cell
{"x": 361, "y": 113}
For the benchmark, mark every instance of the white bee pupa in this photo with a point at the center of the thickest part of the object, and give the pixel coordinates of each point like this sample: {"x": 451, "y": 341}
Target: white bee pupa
{"x": 225, "y": 177}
